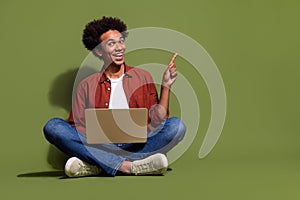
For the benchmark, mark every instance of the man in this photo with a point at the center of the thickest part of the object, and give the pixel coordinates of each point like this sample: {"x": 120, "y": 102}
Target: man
{"x": 117, "y": 85}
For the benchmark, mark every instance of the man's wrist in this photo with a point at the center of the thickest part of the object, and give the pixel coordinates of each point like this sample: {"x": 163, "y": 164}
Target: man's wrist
{"x": 166, "y": 85}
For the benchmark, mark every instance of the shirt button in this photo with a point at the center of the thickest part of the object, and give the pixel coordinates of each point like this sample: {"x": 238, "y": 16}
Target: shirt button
{"x": 108, "y": 88}
{"x": 106, "y": 104}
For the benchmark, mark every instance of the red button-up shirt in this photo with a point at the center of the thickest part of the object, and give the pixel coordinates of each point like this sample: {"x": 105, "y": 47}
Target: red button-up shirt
{"x": 94, "y": 92}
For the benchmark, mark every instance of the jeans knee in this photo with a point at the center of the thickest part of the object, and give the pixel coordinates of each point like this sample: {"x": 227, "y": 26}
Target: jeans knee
{"x": 181, "y": 129}
{"x": 51, "y": 127}
{"x": 178, "y": 127}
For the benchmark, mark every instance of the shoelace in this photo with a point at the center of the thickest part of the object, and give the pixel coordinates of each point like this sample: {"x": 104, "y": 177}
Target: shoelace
{"x": 145, "y": 166}
{"x": 86, "y": 170}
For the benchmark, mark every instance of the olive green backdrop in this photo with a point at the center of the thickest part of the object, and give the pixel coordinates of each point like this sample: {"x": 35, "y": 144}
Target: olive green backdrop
{"x": 255, "y": 45}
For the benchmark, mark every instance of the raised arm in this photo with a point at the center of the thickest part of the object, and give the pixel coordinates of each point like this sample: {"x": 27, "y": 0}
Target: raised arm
{"x": 168, "y": 79}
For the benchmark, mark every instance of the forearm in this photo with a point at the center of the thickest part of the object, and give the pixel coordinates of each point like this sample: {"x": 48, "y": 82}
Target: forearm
{"x": 164, "y": 101}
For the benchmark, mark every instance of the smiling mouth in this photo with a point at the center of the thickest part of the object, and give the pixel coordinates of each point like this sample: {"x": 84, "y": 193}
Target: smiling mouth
{"x": 118, "y": 56}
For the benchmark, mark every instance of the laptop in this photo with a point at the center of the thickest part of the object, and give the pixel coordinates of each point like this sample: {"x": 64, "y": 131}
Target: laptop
{"x": 105, "y": 126}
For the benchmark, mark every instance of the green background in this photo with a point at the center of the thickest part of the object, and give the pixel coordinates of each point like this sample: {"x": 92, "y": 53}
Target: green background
{"x": 255, "y": 45}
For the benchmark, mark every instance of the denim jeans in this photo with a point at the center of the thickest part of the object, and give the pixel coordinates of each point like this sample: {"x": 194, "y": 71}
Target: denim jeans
{"x": 110, "y": 156}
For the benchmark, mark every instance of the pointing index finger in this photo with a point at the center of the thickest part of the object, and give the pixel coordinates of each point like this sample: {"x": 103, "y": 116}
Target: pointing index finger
{"x": 173, "y": 58}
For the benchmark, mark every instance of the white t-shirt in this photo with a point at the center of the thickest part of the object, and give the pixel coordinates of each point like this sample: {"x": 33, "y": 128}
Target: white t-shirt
{"x": 117, "y": 96}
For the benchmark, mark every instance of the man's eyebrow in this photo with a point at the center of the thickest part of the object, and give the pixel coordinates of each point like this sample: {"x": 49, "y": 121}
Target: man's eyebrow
{"x": 109, "y": 40}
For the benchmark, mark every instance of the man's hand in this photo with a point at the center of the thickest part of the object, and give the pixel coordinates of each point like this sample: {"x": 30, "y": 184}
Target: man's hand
{"x": 170, "y": 73}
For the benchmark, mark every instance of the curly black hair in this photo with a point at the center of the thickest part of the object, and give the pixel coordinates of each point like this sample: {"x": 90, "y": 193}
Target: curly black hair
{"x": 94, "y": 29}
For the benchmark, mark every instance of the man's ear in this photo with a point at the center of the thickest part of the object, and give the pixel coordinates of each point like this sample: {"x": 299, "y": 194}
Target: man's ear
{"x": 98, "y": 51}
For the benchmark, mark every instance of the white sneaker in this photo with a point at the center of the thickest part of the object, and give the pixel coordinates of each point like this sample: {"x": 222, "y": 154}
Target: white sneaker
{"x": 77, "y": 168}
{"x": 155, "y": 164}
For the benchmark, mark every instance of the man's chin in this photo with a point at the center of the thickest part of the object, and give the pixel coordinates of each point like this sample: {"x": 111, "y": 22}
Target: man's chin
{"x": 118, "y": 62}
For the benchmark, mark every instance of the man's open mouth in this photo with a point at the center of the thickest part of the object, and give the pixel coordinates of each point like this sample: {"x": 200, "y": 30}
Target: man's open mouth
{"x": 118, "y": 56}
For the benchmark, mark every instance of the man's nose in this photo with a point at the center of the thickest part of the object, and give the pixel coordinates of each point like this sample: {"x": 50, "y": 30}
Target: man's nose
{"x": 119, "y": 46}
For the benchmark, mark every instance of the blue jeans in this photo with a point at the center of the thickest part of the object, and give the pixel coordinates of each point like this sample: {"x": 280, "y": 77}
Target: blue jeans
{"x": 110, "y": 156}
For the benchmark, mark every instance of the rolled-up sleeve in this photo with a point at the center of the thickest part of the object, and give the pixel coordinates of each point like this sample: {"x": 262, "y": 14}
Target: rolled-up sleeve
{"x": 77, "y": 117}
{"x": 157, "y": 113}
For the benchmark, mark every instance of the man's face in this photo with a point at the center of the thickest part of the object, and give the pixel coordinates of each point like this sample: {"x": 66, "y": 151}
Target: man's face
{"x": 112, "y": 47}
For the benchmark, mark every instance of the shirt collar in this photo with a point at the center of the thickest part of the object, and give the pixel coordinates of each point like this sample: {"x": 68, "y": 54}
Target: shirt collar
{"x": 104, "y": 78}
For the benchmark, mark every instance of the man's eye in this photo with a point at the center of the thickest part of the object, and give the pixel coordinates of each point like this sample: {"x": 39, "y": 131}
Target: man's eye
{"x": 111, "y": 44}
{"x": 121, "y": 41}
